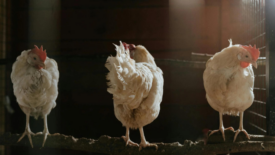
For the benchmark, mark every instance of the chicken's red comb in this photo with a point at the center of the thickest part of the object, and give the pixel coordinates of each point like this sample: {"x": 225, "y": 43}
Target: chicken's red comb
{"x": 41, "y": 54}
{"x": 129, "y": 46}
{"x": 255, "y": 53}
{"x": 125, "y": 45}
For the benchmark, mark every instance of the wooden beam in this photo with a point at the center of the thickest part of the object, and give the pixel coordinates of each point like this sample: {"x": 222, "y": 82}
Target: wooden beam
{"x": 116, "y": 145}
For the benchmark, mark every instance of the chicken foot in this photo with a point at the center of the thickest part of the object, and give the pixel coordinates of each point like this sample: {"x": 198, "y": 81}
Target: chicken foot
{"x": 28, "y": 131}
{"x": 127, "y": 138}
{"x": 221, "y": 128}
{"x": 241, "y": 129}
{"x": 45, "y": 131}
{"x": 143, "y": 142}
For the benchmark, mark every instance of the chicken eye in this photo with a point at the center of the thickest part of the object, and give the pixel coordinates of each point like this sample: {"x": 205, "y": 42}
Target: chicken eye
{"x": 246, "y": 56}
{"x": 34, "y": 58}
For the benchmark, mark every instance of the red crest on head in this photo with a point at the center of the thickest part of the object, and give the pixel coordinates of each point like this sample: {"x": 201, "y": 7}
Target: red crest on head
{"x": 129, "y": 46}
{"x": 255, "y": 53}
{"x": 126, "y": 46}
{"x": 41, "y": 54}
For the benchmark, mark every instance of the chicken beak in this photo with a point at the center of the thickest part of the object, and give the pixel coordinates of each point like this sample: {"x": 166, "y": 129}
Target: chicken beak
{"x": 132, "y": 53}
{"x": 254, "y": 63}
{"x": 42, "y": 64}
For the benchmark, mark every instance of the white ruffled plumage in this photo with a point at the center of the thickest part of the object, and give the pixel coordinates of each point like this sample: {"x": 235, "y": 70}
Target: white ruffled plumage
{"x": 137, "y": 88}
{"x": 228, "y": 85}
{"x": 35, "y": 89}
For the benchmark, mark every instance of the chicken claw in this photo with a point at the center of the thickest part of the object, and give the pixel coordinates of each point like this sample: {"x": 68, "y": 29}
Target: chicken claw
{"x": 129, "y": 142}
{"x": 146, "y": 144}
{"x": 143, "y": 142}
{"x": 241, "y": 130}
{"x": 222, "y": 131}
{"x": 29, "y": 133}
{"x": 46, "y": 133}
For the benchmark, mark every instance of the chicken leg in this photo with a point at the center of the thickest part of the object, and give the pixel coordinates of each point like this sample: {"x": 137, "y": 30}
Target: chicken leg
{"x": 241, "y": 129}
{"x": 45, "y": 131}
{"x": 143, "y": 142}
{"x": 27, "y": 131}
{"x": 221, "y": 128}
{"x": 127, "y": 138}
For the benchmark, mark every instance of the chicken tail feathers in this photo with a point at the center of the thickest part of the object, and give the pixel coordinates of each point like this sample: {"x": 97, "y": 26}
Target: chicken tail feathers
{"x": 128, "y": 84}
{"x": 121, "y": 67}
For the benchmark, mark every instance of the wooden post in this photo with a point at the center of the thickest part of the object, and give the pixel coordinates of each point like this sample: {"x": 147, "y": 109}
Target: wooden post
{"x": 2, "y": 68}
{"x": 270, "y": 68}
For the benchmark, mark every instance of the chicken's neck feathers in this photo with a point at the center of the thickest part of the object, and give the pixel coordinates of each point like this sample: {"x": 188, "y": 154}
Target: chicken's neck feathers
{"x": 39, "y": 78}
{"x": 226, "y": 60}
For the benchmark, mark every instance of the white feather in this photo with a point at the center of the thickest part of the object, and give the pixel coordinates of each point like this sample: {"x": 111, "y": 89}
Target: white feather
{"x": 229, "y": 87}
{"x": 137, "y": 88}
{"x": 35, "y": 90}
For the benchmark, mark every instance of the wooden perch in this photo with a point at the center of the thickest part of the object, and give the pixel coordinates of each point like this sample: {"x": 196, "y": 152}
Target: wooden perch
{"x": 229, "y": 136}
{"x": 115, "y": 145}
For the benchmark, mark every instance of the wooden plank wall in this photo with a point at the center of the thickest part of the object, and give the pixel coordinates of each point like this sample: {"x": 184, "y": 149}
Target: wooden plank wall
{"x": 90, "y": 27}
{"x": 3, "y": 16}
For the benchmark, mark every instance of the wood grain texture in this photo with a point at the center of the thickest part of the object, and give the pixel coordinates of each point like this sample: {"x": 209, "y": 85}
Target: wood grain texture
{"x": 116, "y": 145}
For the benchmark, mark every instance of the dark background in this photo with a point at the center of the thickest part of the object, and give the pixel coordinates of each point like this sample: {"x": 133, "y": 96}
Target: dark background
{"x": 79, "y": 35}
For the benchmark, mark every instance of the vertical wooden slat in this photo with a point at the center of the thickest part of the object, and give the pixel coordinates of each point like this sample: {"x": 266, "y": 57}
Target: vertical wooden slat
{"x": 44, "y": 32}
{"x": 2, "y": 68}
{"x": 2, "y": 108}
{"x": 270, "y": 51}
{"x": 270, "y": 72}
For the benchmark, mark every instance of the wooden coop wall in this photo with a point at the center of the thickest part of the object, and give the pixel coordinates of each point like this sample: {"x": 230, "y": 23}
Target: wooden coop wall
{"x": 270, "y": 65}
{"x": 3, "y": 20}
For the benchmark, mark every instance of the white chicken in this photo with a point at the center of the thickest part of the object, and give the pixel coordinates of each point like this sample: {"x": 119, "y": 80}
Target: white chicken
{"x": 137, "y": 88}
{"x": 35, "y": 77}
{"x": 229, "y": 82}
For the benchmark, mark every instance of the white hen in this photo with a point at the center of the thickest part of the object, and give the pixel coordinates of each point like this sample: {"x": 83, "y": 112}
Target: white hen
{"x": 137, "y": 88}
{"x": 35, "y": 77}
{"x": 229, "y": 81}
